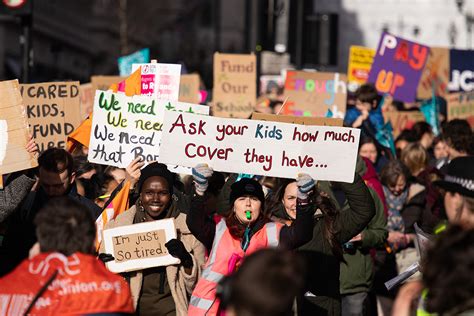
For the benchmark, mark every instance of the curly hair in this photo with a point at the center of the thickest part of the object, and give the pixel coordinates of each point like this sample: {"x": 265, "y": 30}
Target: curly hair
{"x": 446, "y": 271}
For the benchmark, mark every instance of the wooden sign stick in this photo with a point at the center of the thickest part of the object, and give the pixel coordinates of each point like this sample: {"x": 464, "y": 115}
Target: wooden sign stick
{"x": 282, "y": 106}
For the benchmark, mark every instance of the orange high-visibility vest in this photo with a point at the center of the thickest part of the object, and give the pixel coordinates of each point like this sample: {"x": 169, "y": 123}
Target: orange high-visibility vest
{"x": 225, "y": 247}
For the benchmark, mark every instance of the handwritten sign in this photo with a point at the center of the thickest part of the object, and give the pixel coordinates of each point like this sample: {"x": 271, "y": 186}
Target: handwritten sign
{"x": 304, "y": 120}
{"x": 315, "y": 93}
{"x": 140, "y": 246}
{"x": 53, "y": 111}
{"x": 124, "y": 128}
{"x": 13, "y": 130}
{"x": 435, "y": 74}
{"x": 235, "y": 85}
{"x": 462, "y": 70}
{"x": 401, "y": 120}
{"x": 461, "y": 106}
{"x": 260, "y": 147}
{"x": 360, "y": 62}
{"x": 189, "y": 88}
{"x": 160, "y": 80}
{"x": 397, "y": 67}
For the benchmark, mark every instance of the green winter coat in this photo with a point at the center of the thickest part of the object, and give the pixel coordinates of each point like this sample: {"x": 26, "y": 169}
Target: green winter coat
{"x": 357, "y": 272}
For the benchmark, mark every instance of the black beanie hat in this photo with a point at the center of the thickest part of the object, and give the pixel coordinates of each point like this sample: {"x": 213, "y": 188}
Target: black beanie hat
{"x": 156, "y": 169}
{"x": 246, "y": 186}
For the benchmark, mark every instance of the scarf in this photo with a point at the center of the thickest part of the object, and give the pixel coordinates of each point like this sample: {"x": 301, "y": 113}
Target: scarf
{"x": 395, "y": 205}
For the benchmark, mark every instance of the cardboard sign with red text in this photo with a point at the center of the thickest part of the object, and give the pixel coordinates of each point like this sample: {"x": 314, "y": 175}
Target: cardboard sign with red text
{"x": 235, "y": 85}
{"x": 140, "y": 246}
{"x": 260, "y": 147}
{"x": 315, "y": 93}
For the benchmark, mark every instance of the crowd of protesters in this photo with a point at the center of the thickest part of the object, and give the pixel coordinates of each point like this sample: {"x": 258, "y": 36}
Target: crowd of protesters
{"x": 251, "y": 245}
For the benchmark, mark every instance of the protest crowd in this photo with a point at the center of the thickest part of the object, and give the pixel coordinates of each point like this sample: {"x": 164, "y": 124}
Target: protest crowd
{"x": 312, "y": 199}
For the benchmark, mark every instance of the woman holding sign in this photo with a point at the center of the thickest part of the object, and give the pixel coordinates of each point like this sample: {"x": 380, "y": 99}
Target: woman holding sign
{"x": 339, "y": 236}
{"x": 245, "y": 230}
{"x": 163, "y": 290}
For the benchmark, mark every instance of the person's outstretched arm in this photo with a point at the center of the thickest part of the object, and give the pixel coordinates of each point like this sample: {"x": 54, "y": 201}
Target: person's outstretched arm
{"x": 198, "y": 221}
{"x": 301, "y": 230}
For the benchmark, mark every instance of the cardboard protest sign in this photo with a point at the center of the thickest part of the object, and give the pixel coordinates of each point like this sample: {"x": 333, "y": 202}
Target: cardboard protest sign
{"x": 401, "y": 120}
{"x": 260, "y": 147}
{"x": 124, "y": 128}
{"x": 461, "y": 106}
{"x": 13, "y": 130}
{"x": 360, "y": 62}
{"x": 189, "y": 88}
{"x": 462, "y": 70}
{"x": 435, "y": 74}
{"x": 303, "y": 120}
{"x": 125, "y": 63}
{"x": 315, "y": 94}
{"x": 397, "y": 67}
{"x": 160, "y": 80}
{"x": 104, "y": 82}
{"x": 86, "y": 97}
{"x": 235, "y": 85}
{"x": 140, "y": 246}
{"x": 53, "y": 111}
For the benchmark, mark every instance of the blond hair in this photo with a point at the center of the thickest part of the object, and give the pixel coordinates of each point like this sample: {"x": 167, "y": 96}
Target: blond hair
{"x": 415, "y": 157}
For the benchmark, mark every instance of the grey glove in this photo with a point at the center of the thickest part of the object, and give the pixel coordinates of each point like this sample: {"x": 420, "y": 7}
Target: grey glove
{"x": 305, "y": 185}
{"x": 201, "y": 173}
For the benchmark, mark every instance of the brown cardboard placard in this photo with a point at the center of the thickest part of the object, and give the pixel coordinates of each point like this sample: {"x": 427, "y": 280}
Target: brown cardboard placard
{"x": 304, "y": 120}
{"x": 314, "y": 93}
{"x": 189, "y": 88}
{"x": 86, "y": 94}
{"x": 235, "y": 85}
{"x": 13, "y": 130}
{"x": 435, "y": 74}
{"x": 53, "y": 111}
{"x": 461, "y": 106}
{"x": 401, "y": 120}
{"x": 140, "y": 246}
{"x": 104, "y": 82}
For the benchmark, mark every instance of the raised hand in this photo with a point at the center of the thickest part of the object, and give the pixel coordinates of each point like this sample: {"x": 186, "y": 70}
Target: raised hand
{"x": 201, "y": 173}
{"x": 133, "y": 171}
{"x": 305, "y": 185}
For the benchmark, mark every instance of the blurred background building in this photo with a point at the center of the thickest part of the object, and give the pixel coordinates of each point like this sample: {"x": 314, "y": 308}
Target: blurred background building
{"x": 74, "y": 39}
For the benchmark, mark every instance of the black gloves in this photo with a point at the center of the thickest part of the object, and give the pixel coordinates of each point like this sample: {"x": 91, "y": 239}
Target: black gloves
{"x": 176, "y": 249}
{"x": 106, "y": 257}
